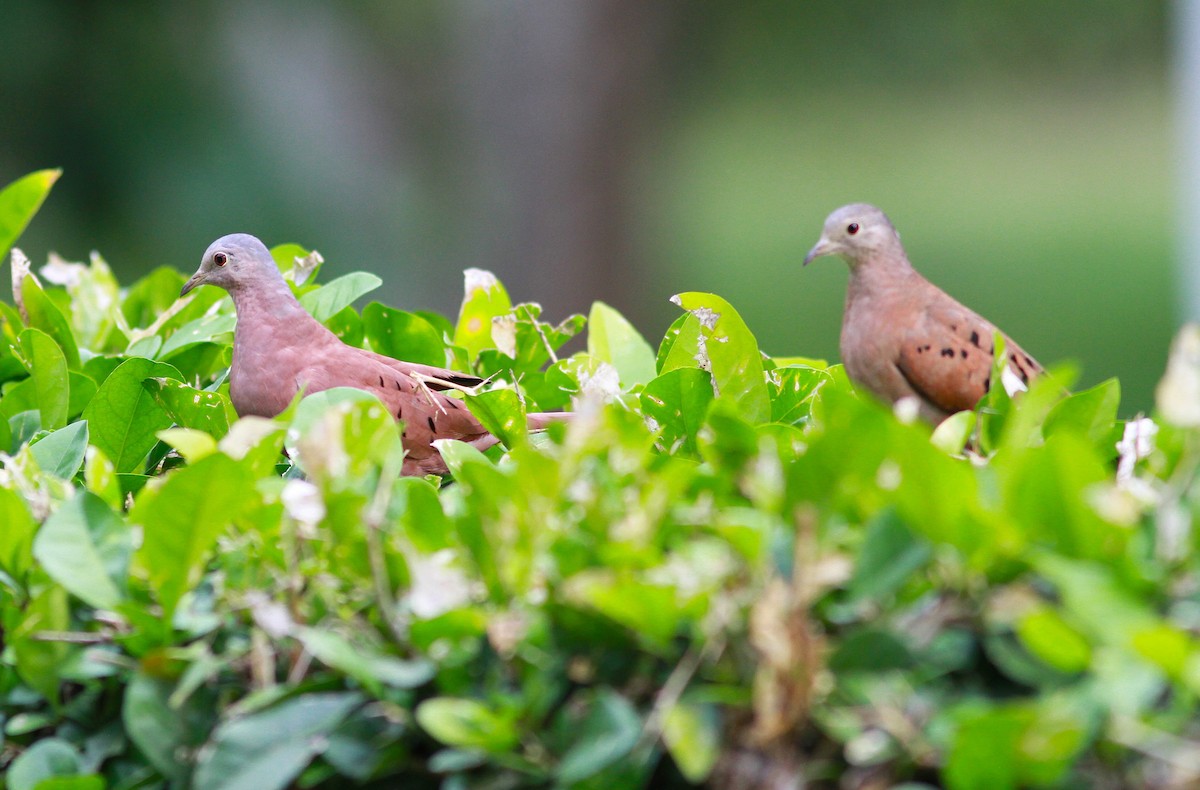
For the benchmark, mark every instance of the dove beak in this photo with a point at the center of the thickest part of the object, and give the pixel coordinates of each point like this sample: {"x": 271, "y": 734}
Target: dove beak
{"x": 197, "y": 279}
{"x": 822, "y": 247}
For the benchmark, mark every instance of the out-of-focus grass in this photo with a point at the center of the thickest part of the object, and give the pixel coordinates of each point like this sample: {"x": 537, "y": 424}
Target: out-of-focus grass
{"x": 1045, "y": 208}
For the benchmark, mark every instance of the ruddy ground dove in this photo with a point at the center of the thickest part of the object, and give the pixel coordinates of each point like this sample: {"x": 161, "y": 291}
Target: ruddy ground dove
{"x": 279, "y": 349}
{"x": 904, "y": 337}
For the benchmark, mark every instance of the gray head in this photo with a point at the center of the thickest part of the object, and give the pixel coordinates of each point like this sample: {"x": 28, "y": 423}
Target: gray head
{"x": 857, "y": 232}
{"x": 233, "y": 262}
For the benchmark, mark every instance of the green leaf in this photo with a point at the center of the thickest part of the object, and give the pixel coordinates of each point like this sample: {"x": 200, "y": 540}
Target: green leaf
{"x": 677, "y": 402}
{"x": 402, "y": 335}
{"x": 648, "y": 610}
{"x": 72, "y": 546}
{"x": 870, "y": 650}
{"x": 373, "y": 670}
{"x": 61, "y": 453}
{"x": 205, "y": 329}
{"x": 38, "y": 662}
{"x": 269, "y": 749}
{"x": 731, "y": 354}
{"x": 163, "y": 733}
{"x": 484, "y": 299}
{"x": 614, "y": 340}
{"x": 792, "y": 389}
{"x": 326, "y": 301}
{"x": 48, "y": 758}
{"x": 890, "y": 554}
{"x": 1047, "y": 636}
{"x": 123, "y": 417}
{"x": 502, "y": 413}
{"x": 16, "y": 538}
{"x": 607, "y": 735}
{"x": 692, "y": 734}
{"x": 190, "y": 407}
{"x": 1013, "y": 745}
{"x": 466, "y": 723}
{"x": 19, "y": 201}
{"x": 44, "y": 315}
{"x": 48, "y": 371}
{"x": 1091, "y": 413}
{"x": 182, "y": 518}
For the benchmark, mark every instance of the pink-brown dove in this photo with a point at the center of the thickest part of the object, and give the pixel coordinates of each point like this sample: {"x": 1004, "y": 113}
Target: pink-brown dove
{"x": 279, "y": 349}
{"x": 904, "y": 337}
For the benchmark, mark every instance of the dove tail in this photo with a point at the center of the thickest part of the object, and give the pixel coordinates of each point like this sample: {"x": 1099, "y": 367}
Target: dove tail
{"x": 538, "y": 421}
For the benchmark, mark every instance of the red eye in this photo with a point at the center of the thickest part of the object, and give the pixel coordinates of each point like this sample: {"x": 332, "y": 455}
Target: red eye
{"x": 852, "y": 228}
{"x": 220, "y": 258}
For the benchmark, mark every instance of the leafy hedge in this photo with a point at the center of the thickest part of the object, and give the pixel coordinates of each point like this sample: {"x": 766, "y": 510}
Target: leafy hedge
{"x": 728, "y": 570}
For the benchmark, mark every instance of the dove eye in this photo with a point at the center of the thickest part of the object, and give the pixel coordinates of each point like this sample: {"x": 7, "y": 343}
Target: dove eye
{"x": 220, "y": 259}
{"x": 852, "y": 228}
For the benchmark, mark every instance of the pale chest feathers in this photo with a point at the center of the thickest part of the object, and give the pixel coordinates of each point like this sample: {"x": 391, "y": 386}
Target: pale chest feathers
{"x": 264, "y": 377}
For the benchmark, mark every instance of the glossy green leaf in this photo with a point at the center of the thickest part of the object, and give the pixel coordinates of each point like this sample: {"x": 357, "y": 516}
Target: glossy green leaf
{"x": 16, "y": 538}
{"x": 792, "y": 390}
{"x": 61, "y": 452}
{"x": 176, "y": 540}
{"x": 189, "y": 407}
{"x": 45, "y": 315}
{"x": 401, "y": 335}
{"x": 19, "y": 201}
{"x": 329, "y": 299}
{"x": 205, "y": 329}
{"x": 614, "y": 340}
{"x": 677, "y": 402}
{"x": 123, "y": 417}
{"x": 48, "y": 371}
{"x": 502, "y": 414}
{"x": 730, "y": 353}
{"x": 484, "y": 300}
{"x": 83, "y": 546}
{"x": 1091, "y": 413}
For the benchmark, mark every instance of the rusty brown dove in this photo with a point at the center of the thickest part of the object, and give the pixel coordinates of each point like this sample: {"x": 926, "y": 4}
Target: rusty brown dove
{"x": 902, "y": 336}
{"x": 279, "y": 349}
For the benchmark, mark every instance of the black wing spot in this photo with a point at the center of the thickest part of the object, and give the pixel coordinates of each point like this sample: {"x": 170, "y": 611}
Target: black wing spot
{"x": 381, "y": 381}
{"x": 964, "y": 353}
{"x": 397, "y": 383}
{"x": 399, "y": 412}
{"x": 1028, "y": 362}
{"x": 947, "y": 352}
{"x": 431, "y": 425}
{"x": 927, "y": 346}
{"x": 987, "y": 382}
{"x": 461, "y": 380}
{"x": 920, "y": 349}
{"x": 975, "y": 340}
{"x": 954, "y": 327}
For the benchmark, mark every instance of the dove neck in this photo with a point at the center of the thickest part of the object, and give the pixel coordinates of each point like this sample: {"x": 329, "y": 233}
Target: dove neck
{"x": 878, "y": 275}
{"x": 272, "y": 301}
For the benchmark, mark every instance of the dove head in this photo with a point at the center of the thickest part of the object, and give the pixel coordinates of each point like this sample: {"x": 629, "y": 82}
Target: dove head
{"x": 233, "y": 262}
{"x": 857, "y": 232}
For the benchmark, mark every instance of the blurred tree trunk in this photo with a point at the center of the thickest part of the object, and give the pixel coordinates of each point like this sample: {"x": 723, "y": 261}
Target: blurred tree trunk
{"x": 555, "y": 95}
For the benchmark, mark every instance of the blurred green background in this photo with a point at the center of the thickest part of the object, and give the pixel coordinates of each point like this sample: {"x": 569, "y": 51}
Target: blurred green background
{"x": 626, "y": 151}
